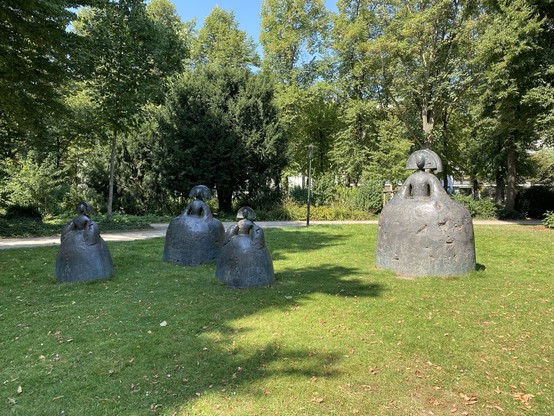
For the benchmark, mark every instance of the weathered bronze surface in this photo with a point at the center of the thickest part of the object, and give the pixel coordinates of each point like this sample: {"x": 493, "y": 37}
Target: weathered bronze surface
{"x": 195, "y": 237}
{"x": 83, "y": 254}
{"x": 245, "y": 260}
{"x": 422, "y": 231}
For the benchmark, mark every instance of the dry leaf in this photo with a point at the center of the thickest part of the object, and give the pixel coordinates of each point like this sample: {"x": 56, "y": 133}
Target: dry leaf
{"x": 317, "y": 399}
{"x": 163, "y": 323}
{"x": 19, "y": 390}
{"x": 524, "y": 398}
{"x": 469, "y": 400}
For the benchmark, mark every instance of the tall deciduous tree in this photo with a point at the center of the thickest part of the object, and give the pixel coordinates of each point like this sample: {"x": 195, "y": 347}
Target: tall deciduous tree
{"x": 507, "y": 61}
{"x": 292, "y": 34}
{"x": 128, "y": 65}
{"x": 221, "y": 41}
{"x": 37, "y": 56}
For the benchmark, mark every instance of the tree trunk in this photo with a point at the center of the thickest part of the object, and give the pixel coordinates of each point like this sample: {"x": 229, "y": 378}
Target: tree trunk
{"x": 225, "y": 200}
{"x": 445, "y": 166}
{"x": 428, "y": 123}
{"x": 499, "y": 192}
{"x": 511, "y": 176}
{"x": 475, "y": 189}
{"x": 112, "y": 174}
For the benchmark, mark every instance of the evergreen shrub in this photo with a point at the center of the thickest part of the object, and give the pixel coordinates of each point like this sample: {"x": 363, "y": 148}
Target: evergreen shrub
{"x": 549, "y": 219}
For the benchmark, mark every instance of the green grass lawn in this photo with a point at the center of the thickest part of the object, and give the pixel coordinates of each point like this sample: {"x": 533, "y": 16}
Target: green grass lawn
{"x": 333, "y": 336}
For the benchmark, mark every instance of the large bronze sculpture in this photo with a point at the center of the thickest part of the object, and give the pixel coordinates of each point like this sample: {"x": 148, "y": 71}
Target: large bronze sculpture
{"x": 245, "y": 260}
{"x": 83, "y": 254}
{"x": 422, "y": 231}
{"x": 195, "y": 237}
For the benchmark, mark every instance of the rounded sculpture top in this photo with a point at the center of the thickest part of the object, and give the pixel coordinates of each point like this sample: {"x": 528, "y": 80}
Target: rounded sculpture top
{"x": 200, "y": 192}
{"x": 246, "y": 213}
{"x": 424, "y": 159}
{"x": 84, "y": 208}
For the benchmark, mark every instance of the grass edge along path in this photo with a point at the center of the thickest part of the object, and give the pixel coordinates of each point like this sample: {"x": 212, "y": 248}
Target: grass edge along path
{"x": 332, "y": 336}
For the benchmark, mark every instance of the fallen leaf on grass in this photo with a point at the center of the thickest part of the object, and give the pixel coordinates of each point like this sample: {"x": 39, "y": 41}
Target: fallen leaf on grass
{"x": 490, "y": 406}
{"x": 524, "y": 398}
{"x": 163, "y": 323}
{"x": 317, "y": 399}
{"x": 469, "y": 400}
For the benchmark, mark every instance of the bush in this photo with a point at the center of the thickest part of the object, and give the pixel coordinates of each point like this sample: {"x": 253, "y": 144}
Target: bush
{"x": 549, "y": 219}
{"x": 24, "y": 212}
{"x": 480, "y": 208}
{"x": 534, "y": 202}
{"x": 298, "y": 195}
{"x": 369, "y": 196}
{"x": 325, "y": 189}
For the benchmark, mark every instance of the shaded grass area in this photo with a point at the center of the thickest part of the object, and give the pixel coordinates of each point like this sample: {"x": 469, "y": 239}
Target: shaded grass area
{"x": 333, "y": 336}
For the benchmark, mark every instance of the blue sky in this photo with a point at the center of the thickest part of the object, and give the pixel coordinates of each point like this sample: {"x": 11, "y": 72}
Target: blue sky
{"x": 247, "y": 12}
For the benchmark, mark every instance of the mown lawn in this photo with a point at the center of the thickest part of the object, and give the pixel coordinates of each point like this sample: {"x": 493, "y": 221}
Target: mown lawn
{"x": 333, "y": 336}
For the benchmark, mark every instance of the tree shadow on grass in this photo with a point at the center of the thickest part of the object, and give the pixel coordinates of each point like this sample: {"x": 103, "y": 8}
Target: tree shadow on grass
{"x": 329, "y": 279}
{"x": 158, "y": 336}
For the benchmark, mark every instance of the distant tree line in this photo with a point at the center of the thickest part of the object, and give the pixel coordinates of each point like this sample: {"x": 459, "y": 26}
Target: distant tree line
{"x": 125, "y": 105}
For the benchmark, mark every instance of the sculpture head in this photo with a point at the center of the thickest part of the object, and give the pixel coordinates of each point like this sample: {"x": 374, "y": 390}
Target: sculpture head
{"x": 84, "y": 208}
{"x": 200, "y": 192}
{"x": 425, "y": 159}
{"x": 246, "y": 213}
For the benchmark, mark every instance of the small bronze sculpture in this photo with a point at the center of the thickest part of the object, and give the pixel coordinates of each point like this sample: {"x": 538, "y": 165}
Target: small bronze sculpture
{"x": 83, "y": 254}
{"x": 422, "y": 231}
{"x": 245, "y": 260}
{"x": 195, "y": 237}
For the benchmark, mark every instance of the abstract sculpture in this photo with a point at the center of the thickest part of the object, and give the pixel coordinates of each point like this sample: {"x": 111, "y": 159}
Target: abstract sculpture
{"x": 83, "y": 254}
{"x": 422, "y": 231}
{"x": 245, "y": 260}
{"x": 195, "y": 237}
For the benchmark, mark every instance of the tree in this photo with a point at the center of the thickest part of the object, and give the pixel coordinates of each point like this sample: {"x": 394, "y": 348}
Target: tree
{"x": 292, "y": 35}
{"x": 221, "y": 41}
{"x": 37, "y": 56}
{"x": 508, "y": 59}
{"x": 309, "y": 116}
{"x": 219, "y": 127}
{"x": 127, "y": 66}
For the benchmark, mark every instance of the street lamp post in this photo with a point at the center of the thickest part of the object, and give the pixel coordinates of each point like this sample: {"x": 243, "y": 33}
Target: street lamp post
{"x": 310, "y": 157}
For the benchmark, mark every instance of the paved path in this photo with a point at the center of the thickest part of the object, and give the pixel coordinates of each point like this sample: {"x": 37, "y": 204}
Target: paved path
{"x": 158, "y": 230}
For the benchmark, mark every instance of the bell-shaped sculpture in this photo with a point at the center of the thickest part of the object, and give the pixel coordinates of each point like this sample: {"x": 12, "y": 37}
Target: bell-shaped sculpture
{"x": 195, "y": 237}
{"x": 422, "y": 231}
{"x": 245, "y": 260}
{"x": 83, "y": 255}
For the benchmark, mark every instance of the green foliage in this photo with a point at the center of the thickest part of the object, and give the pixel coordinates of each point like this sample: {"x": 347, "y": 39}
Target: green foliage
{"x": 289, "y": 31}
{"x": 549, "y": 219}
{"x": 219, "y": 127}
{"x": 308, "y": 116}
{"x": 32, "y": 182}
{"x": 37, "y": 55}
{"x": 369, "y": 196}
{"x": 479, "y": 208}
{"x": 221, "y": 42}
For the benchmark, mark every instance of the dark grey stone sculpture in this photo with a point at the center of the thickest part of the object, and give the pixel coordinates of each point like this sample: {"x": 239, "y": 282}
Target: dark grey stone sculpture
{"x": 245, "y": 260}
{"x": 422, "y": 231}
{"x": 83, "y": 254}
{"x": 195, "y": 237}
